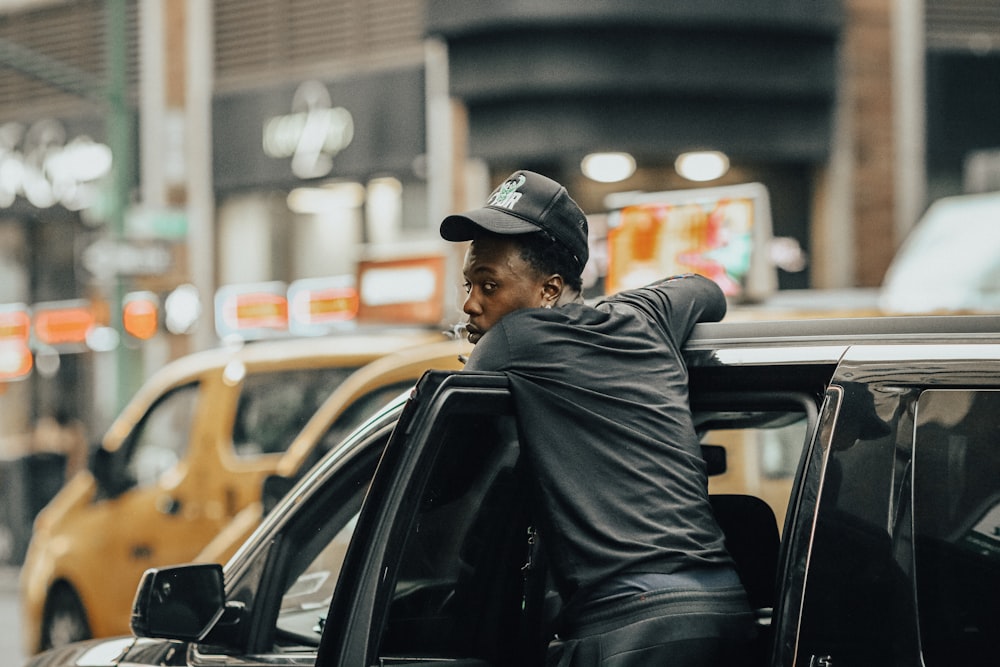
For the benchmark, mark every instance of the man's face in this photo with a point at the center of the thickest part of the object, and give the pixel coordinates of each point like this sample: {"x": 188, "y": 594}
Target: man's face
{"x": 497, "y": 281}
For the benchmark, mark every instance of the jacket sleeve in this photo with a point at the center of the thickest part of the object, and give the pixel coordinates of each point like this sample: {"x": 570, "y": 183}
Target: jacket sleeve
{"x": 677, "y": 303}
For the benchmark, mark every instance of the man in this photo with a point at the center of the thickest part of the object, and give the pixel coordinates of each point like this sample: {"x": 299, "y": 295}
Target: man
{"x": 601, "y": 395}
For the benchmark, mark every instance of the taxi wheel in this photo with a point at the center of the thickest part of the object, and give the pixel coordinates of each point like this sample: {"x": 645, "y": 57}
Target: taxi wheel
{"x": 65, "y": 620}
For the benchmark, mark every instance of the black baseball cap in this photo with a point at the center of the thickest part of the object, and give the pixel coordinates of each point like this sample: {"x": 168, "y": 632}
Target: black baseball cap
{"x": 525, "y": 202}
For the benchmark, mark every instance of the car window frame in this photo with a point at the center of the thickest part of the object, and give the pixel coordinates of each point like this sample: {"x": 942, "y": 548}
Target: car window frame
{"x": 359, "y": 610}
{"x": 364, "y": 592}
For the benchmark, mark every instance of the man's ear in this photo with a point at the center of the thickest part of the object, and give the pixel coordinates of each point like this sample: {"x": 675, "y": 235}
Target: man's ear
{"x": 552, "y": 287}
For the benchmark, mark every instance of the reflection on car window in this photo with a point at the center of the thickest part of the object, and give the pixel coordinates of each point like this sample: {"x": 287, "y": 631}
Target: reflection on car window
{"x": 855, "y": 597}
{"x": 315, "y": 543}
{"x": 305, "y": 603}
{"x": 273, "y": 407}
{"x": 161, "y": 439}
{"x": 956, "y": 513}
{"x": 458, "y": 592}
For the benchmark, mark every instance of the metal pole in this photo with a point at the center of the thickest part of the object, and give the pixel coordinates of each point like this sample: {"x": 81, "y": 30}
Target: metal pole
{"x": 119, "y": 131}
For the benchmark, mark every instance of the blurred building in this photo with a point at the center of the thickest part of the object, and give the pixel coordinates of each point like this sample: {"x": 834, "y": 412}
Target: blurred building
{"x": 277, "y": 141}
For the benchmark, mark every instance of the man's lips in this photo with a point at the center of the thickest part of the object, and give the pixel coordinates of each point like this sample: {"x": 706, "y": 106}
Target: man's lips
{"x": 473, "y": 333}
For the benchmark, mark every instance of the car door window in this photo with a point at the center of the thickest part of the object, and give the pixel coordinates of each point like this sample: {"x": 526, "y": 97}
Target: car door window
{"x": 458, "y": 593}
{"x": 956, "y": 516}
{"x": 311, "y": 551}
{"x": 161, "y": 439}
{"x": 857, "y": 599}
{"x": 274, "y": 406}
{"x": 304, "y": 603}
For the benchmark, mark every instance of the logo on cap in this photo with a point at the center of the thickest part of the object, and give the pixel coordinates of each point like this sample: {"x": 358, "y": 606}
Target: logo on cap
{"x": 507, "y": 195}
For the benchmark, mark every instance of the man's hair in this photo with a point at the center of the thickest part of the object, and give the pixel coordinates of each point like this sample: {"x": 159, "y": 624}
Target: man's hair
{"x": 546, "y": 255}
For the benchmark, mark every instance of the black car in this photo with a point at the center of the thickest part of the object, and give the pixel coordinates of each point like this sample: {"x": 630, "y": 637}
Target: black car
{"x": 856, "y": 476}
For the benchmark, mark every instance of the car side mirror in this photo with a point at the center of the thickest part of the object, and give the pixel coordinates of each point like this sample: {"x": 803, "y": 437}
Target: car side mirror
{"x": 274, "y": 489}
{"x": 182, "y": 602}
{"x": 715, "y": 459}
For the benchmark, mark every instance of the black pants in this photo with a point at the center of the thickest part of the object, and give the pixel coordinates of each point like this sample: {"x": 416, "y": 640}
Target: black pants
{"x": 669, "y": 628}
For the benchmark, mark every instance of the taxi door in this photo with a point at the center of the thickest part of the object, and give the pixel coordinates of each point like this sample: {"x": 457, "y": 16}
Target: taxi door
{"x": 167, "y": 500}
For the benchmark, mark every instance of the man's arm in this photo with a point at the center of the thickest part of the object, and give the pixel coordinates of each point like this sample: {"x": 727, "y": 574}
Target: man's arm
{"x": 677, "y": 303}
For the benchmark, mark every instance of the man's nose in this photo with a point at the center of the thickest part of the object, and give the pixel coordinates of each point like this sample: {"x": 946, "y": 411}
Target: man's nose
{"x": 471, "y": 305}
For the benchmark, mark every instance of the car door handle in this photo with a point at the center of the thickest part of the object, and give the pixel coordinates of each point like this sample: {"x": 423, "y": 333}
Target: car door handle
{"x": 142, "y": 552}
{"x": 168, "y": 505}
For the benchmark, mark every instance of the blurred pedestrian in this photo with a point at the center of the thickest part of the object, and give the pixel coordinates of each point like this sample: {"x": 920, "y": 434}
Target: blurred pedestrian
{"x": 60, "y": 433}
{"x": 602, "y": 402}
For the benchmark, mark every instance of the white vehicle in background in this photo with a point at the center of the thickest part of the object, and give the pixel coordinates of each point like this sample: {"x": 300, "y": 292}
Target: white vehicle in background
{"x": 950, "y": 261}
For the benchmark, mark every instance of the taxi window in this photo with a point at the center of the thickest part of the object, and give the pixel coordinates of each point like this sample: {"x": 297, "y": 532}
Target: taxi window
{"x": 273, "y": 407}
{"x": 352, "y": 417}
{"x": 956, "y": 514}
{"x": 161, "y": 439}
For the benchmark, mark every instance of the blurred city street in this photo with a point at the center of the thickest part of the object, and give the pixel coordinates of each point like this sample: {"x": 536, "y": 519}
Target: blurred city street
{"x": 10, "y": 620}
{"x": 221, "y": 241}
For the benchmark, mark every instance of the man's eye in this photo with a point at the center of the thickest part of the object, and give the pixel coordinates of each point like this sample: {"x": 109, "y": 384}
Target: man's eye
{"x": 467, "y": 286}
{"x": 489, "y": 287}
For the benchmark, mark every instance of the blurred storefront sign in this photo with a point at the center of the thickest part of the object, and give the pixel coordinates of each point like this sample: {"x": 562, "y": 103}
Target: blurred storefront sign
{"x": 321, "y": 305}
{"x": 15, "y": 355}
{"x": 251, "y": 311}
{"x": 397, "y": 292}
{"x": 723, "y": 233}
{"x": 41, "y": 162}
{"x": 402, "y": 291}
{"x": 65, "y": 325}
{"x": 344, "y": 128}
{"x": 143, "y": 222}
{"x": 106, "y": 258}
{"x": 312, "y": 135}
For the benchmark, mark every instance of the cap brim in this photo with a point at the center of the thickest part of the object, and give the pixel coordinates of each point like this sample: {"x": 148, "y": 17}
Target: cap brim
{"x": 464, "y": 227}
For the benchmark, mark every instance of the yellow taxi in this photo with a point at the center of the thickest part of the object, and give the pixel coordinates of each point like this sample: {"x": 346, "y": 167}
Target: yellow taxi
{"x": 185, "y": 456}
{"x": 332, "y": 422}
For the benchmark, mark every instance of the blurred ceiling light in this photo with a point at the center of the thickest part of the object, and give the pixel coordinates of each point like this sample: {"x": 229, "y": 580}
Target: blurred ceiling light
{"x": 702, "y": 165}
{"x": 608, "y": 167}
{"x": 327, "y": 198}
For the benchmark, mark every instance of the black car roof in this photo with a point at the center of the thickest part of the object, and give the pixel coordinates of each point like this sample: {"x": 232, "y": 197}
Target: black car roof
{"x": 840, "y": 331}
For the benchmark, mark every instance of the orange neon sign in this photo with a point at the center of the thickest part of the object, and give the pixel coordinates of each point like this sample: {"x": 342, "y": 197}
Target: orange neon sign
{"x": 251, "y": 311}
{"x": 140, "y": 315}
{"x": 15, "y": 324}
{"x": 63, "y": 325}
{"x": 15, "y": 359}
